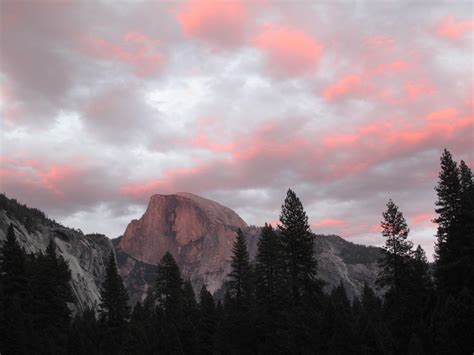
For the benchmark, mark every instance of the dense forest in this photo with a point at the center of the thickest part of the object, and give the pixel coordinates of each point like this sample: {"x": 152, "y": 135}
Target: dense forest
{"x": 275, "y": 305}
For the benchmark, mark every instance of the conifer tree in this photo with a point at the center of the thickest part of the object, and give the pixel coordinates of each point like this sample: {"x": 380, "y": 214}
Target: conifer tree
{"x": 298, "y": 244}
{"x": 465, "y": 231}
{"x": 187, "y": 326}
{"x": 240, "y": 283}
{"x": 466, "y": 178}
{"x": 168, "y": 287}
{"x": 168, "y": 293}
{"x": 454, "y": 260}
{"x": 396, "y": 251}
{"x": 207, "y": 321}
{"x": 395, "y": 276}
{"x": 114, "y": 307}
{"x": 13, "y": 266}
{"x": 270, "y": 294}
{"x": 303, "y": 302}
{"x": 50, "y": 277}
{"x": 239, "y": 321}
{"x": 421, "y": 273}
{"x": 269, "y": 268}
{"x": 448, "y": 210}
{"x": 13, "y": 282}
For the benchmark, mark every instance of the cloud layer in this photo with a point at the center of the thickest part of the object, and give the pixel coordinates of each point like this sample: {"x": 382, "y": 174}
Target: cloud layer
{"x": 103, "y": 104}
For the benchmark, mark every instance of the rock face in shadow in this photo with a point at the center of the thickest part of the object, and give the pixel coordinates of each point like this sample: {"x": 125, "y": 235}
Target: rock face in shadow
{"x": 86, "y": 255}
{"x": 200, "y": 234}
{"x": 197, "y": 231}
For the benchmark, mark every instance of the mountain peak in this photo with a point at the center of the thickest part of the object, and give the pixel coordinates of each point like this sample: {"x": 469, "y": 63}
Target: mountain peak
{"x": 181, "y": 223}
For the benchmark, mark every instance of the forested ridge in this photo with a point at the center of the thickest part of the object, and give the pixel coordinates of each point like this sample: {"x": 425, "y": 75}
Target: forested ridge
{"x": 275, "y": 305}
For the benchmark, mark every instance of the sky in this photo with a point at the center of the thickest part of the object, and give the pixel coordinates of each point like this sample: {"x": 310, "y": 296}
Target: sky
{"x": 349, "y": 103}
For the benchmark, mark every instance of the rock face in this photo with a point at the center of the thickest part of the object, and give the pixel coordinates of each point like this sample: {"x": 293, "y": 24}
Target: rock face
{"x": 198, "y": 232}
{"x": 86, "y": 255}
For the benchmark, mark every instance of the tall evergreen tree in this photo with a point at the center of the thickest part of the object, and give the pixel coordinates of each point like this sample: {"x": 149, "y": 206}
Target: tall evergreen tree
{"x": 168, "y": 293}
{"x": 50, "y": 277}
{"x": 240, "y": 278}
{"x": 396, "y": 251}
{"x": 421, "y": 273}
{"x": 304, "y": 288}
{"x": 454, "y": 259}
{"x": 207, "y": 321}
{"x": 168, "y": 287}
{"x": 13, "y": 266}
{"x": 298, "y": 247}
{"x": 239, "y": 320}
{"x": 466, "y": 178}
{"x": 114, "y": 307}
{"x": 465, "y": 232}
{"x": 270, "y": 293}
{"x": 14, "y": 283}
{"x": 269, "y": 268}
{"x": 449, "y": 210}
{"x": 395, "y": 276}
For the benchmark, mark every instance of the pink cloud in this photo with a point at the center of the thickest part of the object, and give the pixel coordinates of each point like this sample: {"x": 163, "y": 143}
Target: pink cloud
{"x": 343, "y": 86}
{"x": 414, "y": 90}
{"x": 289, "y": 51}
{"x": 202, "y": 141}
{"x": 365, "y": 84}
{"x": 444, "y": 114}
{"x": 220, "y": 23}
{"x": 383, "y": 42}
{"x": 421, "y": 218}
{"x": 329, "y": 222}
{"x": 453, "y": 29}
{"x": 381, "y": 141}
{"x": 30, "y": 172}
{"x": 134, "y": 48}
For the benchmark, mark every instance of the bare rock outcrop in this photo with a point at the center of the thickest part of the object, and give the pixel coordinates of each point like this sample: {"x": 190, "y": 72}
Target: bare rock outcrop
{"x": 86, "y": 255}
{"x": 197, "y": 231}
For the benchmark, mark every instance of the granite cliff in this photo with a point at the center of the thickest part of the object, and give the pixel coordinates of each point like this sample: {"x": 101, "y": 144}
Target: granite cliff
{"x": 197, "y": 231}
{"x": 86, "y": 254}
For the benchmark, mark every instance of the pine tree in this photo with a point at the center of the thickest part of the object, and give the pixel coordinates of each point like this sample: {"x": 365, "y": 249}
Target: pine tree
{"x": 448, "y": 210}
{"x": 13, "y": 282}
{"x": 298, "y": 245}
{"x": 466, "y": 178}
{"x": 13, "y": 266}
{"x": 396, "y": 251}
{"x": 465, "y": 232}
{"x": 239, "y": 322}
{"x": 187, "y": 326}
{"x": 168, "y": 293}
{"x": 269, "y": 268}
{"x": 269, "y": 275}
{"x": 168, "y": 286}
{"x": 454, "y": 260}
{"x": 240, "y": 283}
{"x": 50, "y": 277}
{"x": 207, "y": 321}
{"x": 303, "y": 303}
{"x": 421, "y": 273}
{"x": 114, "y": 307}
{"x": 395, "y": 276}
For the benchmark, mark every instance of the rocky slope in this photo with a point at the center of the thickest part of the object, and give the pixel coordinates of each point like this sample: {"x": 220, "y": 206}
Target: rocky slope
{"x": 200, "y": 233}
{"x": 85, "y": 254}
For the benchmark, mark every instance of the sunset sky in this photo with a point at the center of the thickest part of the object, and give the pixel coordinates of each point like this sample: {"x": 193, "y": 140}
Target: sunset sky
{"x": 349, "y": 103}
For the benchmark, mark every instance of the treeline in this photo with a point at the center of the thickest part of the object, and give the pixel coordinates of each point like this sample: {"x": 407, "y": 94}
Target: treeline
{"x": 274, "y": 305}
{"x": 29, "y": 217}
